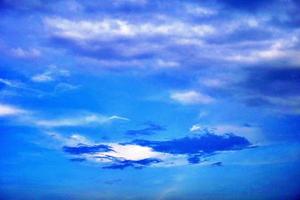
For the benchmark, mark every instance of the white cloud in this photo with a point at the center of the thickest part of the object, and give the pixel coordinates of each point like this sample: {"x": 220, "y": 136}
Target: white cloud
{"x": 44, "y": 77}
{"x": 108, "y": 29}
{"x": 50, "y": 75}
{"x": 200, "y": 11}
{"x": 167, "y": 63}
{"x": 195, "y": 128}
{"x": 115, "y": 117}
{"x": 131, "y": 152}
{"x": 8, "y": 110}
{"x": 130, "y": 63}
{"x": 91, "y": 119}
{"x": 191, "y": 97}
{"x": 281, "y": 49}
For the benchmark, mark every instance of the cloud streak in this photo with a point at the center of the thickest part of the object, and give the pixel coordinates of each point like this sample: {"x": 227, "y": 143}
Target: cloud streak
{"x": 85, "y": 120}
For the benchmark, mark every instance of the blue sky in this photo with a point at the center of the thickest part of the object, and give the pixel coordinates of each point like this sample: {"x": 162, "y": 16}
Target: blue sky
{"x": 140, "y": 99}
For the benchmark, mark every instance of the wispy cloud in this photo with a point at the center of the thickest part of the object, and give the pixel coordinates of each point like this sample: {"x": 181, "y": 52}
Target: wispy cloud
{"x": 51, "y": 74}
{"x": 25, "y": 53}
{"x": 199, "y": 10}
{"x": 63, "y": 87}
{"x": 6, "y": 82}
{"x": 44, "y": 77}
{"x": 191, "y": 97}
{"x": 85, "y": 120}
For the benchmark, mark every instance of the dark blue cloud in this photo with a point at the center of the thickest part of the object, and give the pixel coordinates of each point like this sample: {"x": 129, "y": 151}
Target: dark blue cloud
{"x": 194, "y": 159}
{"x": 77, "y": 159}
{"x": 135, "y": 164}
{"x": 247, "y": 125}
{"x": 217, "y": 164}
{"x": 273, "y": 81}
{"x": 208, "y": 143}
{"x": 149, "y": 130}
{"x": 253, "y": 5}
{"x": 81, "y": 149}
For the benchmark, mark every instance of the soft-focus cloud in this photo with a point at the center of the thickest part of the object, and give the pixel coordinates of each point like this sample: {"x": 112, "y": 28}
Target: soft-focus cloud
{"x": 275, "y": 89}
{"x": 25, "y": 53}
{"x": 200, "y": 11}
{"x": 52, "y": 73}
{"x": 84, "y": 120}
{"x": 283, "y": 49}
{"x": 8, "y": 110}
{"x": 191, "y": 97}
{"x": 45, "y": 77}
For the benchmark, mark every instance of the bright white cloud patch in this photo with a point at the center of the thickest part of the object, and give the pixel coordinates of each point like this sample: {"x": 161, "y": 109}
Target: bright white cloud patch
{"x": 131, "y": 152}
{"x": 195, "y": 128}
{"x": 7, "y": 110}
{"x": 191, "y": 97}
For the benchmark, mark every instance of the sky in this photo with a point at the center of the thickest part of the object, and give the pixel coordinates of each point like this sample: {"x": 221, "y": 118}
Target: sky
{"x": 149, "y": 99}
